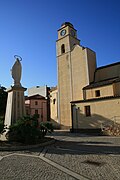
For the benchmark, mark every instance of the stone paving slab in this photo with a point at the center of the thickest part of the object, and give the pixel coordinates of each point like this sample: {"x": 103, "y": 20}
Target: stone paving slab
{"x": 95, "y": 167}
{"x": 83, "y": 138}
{"x": 4, "y": 153}
{"x": 28, "y": 168}
{"x": 73, "y": 156}
{"x": 25, "y": 147}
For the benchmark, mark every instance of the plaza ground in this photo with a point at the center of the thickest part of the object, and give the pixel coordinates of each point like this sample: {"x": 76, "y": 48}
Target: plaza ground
{"x": 72, "y": 156}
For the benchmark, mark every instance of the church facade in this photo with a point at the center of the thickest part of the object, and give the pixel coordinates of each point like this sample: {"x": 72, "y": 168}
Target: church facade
{"x": 87, "y": 96}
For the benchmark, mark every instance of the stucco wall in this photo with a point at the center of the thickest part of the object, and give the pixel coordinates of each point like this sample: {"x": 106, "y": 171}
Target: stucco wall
{"x": 102, "y": 111}
{"x": 83, "y": 65}
{"x": 91, "y": 60}
{"x": 64, "y": 88}
{"x": 73, "y": 74}
{"x": 104, "y": 91}
{"x": 79, "y": 71}
{"x": 54, "y": 105}
{"x": 116, "y": 87}
{"x": 41, "y": 107}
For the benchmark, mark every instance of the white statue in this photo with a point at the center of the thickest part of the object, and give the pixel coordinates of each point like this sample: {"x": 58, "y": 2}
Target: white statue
{"x": 16, "y": 72}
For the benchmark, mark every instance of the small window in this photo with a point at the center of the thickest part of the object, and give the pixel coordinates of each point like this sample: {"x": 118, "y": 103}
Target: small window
{"x": 27, "y": 112}
{"x": 36, "y": 111}
{"x": 87, "y": 111}
{"x": 54, "y": 101}
{"x": 63, "y": 48}
{"x": 36, "y": 102}
{"x": 97, "y": 93}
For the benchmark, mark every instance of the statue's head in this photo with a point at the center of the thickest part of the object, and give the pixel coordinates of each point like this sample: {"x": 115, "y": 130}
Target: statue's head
{"x": 18, "y": 58}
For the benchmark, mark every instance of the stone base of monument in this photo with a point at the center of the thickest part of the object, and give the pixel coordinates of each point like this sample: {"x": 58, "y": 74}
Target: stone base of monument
{"x": 15, "y": 105}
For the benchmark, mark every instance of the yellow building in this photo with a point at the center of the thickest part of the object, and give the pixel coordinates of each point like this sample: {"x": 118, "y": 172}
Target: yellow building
{"x": 76, "y": 67}
{"x": 101, "y": 104}
{"x": 87, "y": 96}
{"x": 54, "y": 107}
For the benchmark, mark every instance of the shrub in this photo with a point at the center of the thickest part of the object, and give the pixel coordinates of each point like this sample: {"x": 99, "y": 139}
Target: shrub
{"x": 25, "y": 131}
{"x": 2, "y": 126}
{"x": 46, "y": 127}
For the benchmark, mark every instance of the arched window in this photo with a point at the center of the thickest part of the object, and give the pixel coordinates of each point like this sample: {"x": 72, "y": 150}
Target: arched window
{"x": 54, "y": 101}
{"x": 63, "y": 48}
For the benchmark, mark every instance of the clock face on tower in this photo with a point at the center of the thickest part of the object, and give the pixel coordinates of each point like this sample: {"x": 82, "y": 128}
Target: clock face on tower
{"x": 63, "y": 32}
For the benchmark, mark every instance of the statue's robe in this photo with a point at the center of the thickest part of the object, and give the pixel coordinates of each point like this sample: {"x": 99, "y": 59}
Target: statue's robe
{"x": 16, "y": 72}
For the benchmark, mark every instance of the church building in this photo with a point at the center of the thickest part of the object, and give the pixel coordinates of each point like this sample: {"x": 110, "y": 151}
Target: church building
{"x": 87, "y": 96}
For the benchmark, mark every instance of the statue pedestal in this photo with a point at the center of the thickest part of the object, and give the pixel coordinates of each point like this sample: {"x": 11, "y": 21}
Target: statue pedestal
{"x": 15, "y": 108}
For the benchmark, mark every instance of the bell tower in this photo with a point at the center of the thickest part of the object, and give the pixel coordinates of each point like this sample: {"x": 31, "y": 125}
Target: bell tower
{"x": 67, "y": 39}
{"x": 76, "y": 66}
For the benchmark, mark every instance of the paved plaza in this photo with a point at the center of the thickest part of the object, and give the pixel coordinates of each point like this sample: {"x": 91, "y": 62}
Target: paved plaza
{"x": 71, "y": 157}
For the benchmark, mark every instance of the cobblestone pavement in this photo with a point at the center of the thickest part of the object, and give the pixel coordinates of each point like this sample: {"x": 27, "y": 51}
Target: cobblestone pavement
{"x": 71, "y": 157}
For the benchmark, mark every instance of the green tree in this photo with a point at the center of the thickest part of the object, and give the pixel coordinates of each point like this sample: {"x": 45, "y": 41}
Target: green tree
{"x": 3, "y": 101}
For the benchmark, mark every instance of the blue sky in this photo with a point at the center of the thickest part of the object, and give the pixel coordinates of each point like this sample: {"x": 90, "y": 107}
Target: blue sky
{"x": 28, "y": 28}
